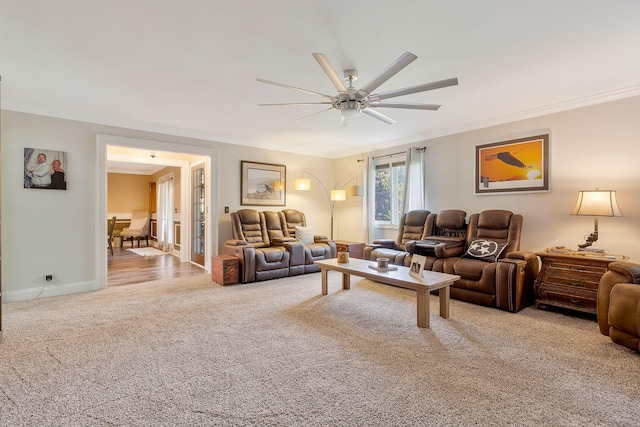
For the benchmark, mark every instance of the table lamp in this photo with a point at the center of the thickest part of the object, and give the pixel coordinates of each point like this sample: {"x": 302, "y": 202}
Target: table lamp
{"x": 595, "y": 203}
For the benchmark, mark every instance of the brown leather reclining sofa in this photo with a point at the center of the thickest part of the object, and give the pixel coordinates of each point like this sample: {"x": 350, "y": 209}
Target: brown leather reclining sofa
{"x": 266, "y": 246}
{"x": 484, "y": 252}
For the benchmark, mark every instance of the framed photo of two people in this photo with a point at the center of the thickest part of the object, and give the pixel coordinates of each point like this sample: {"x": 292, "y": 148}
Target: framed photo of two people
{"x": 45, "y": 169}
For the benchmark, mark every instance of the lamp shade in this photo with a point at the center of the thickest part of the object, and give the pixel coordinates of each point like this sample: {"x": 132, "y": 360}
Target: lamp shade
{"x": 302, "y": 184}
{"x": 356, "y": 190}
{"x": 596, "y": 203}
{"x": 338, "y": 195}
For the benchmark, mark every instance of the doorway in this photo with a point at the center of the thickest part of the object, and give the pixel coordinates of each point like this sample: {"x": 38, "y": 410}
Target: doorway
{"x": 206, "y": 157}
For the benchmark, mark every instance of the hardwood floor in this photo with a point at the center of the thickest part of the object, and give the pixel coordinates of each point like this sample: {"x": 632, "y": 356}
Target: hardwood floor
{"x": 125, "y": 267}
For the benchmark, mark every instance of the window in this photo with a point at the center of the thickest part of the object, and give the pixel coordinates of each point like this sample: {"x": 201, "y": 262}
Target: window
{"x": 389, "y": 190}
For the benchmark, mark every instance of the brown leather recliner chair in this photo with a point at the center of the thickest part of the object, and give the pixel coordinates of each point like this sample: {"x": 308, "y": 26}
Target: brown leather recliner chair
{"x": 320, "y": 248}
{"x": 413, "y": 225}
{"x": 261, "y": 247}
{"x": 619, "y": 304}
{"x": 504, "y": 278}
{"x": 445, "y": 237}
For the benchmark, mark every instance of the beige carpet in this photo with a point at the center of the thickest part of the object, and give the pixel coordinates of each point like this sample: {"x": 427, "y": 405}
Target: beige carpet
{"x": 189, "y": 352}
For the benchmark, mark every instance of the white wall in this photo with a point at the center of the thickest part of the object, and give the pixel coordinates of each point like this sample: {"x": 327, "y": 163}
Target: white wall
{"x": 591, "y": 147}
{"x": 46, "y": 231}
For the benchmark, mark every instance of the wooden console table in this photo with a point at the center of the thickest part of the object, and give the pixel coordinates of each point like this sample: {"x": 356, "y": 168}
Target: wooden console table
{"x": 571, "y": 280}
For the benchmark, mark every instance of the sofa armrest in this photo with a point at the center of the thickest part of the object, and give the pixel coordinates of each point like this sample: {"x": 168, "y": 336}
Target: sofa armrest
{"x": 384, "y": 243}
{"x": 628, "y": 269}
{"x": 441, "y": 247}
{"x": 515, "y": 277}
{"x": 235, "y": 242}
{"x": 279, "y": 241}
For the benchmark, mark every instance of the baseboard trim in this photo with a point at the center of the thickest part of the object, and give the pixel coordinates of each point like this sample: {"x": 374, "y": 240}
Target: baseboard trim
{"x": 48, "y": 291}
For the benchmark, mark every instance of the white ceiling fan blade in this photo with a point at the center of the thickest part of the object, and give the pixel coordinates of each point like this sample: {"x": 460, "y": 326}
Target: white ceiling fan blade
{"x": 297, "y": 103}
{"x": 433, "y": 107}
{"x": 343, "y": 121}
{"x": 379, "y": 116}
{"x": 294, "y": 88}
{"x": 404, "y": 60}
{"x": 314, "y": 114}
{"x": 414, "y": 89}
{"x": 330, "y": 72}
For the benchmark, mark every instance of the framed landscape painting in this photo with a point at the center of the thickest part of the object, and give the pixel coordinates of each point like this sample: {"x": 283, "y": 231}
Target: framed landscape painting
{"x": 263, "y": 184}
{"x": 513, "y": 166}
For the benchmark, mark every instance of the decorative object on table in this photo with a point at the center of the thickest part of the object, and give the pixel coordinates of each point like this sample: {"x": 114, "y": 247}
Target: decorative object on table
{"x": 417, "y": 265}
{"x": 263, "y": 184}
{"x": 382, "y": 262}
{"x": 45, "y": 169}
{"x": 343, "y": 257}
{"x": 351, "y": 101}
{"x": 513, "y": 166}
{"x": 338, "y": 194}
{"x": 595, "y": 203}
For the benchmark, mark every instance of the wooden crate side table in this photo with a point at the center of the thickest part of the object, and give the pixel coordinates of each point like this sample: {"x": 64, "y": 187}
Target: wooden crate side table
{"x": 571, "y": 281}
{"x": 355, "y": 249}
{"x": 225, "y": 269}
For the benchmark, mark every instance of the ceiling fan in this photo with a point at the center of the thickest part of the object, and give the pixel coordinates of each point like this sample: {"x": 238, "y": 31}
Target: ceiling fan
{"x": 351, "y": 101}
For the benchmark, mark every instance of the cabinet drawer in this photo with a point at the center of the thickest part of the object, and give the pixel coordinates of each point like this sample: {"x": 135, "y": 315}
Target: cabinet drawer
{"x": 568, "y": 296}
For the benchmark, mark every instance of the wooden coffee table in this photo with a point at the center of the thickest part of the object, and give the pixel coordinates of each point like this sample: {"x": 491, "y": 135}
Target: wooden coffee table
{"x": 430, "y": 281}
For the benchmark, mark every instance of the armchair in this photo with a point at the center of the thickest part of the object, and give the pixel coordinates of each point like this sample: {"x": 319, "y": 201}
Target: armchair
{"x": 493, "y": 271}
{"x": 252, "y": 245}
{"x": 619, "y": 304}
{"x": 413, "y": 225}
{"x": 139, "y": 227}
{"x": 320, "y": 247}
{"x": 445, "y": 237}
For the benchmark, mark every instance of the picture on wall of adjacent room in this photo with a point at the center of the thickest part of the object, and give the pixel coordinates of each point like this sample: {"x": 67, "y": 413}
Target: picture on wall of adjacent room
{"x": 263, "y": 184}
{"x": 45, "y": 169}
{"x": 513, "y": 166}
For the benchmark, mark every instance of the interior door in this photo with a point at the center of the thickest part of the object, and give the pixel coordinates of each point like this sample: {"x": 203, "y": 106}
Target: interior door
{"x": 198, "y": 223}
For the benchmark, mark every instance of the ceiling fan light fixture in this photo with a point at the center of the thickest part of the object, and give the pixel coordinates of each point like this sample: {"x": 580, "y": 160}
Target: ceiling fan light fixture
{"x": 350, "y": 109}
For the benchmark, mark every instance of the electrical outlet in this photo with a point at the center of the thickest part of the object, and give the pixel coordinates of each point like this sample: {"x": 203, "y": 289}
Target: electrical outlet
{"x": 226, "y": 209}
{"x": 48, "y": 277}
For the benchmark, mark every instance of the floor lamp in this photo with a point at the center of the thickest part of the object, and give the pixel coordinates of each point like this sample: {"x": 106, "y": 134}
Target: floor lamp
{"x": 335, "y": 195}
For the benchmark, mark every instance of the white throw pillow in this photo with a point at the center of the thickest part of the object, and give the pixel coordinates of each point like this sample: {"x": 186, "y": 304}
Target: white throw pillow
{"x": 304, "y": 234}
{"x": 137, "y": 223}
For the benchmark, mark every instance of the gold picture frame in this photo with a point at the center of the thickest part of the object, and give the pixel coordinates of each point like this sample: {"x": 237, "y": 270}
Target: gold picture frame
{"x": 263, "y": 184}
{"x": 515, "y": 166}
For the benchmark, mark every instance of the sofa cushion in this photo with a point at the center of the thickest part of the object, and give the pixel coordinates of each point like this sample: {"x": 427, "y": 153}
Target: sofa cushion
{"x": 304, "y": 234}
{"x": 485, "y": 250}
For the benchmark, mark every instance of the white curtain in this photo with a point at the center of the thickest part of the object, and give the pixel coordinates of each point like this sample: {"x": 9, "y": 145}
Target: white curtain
{"x": 370, "y": 191}
{"x": 165, "y": 213}
{"x": 415, "y": 195}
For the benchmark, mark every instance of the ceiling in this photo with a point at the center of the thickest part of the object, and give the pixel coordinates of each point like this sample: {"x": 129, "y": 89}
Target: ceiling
{"x": 189, "y": 68}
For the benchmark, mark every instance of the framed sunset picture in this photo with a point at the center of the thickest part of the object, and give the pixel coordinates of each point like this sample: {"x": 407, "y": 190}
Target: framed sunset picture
{"x": 513, "y": 166}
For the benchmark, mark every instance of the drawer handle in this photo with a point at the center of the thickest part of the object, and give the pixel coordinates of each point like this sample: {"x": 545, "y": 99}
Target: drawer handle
{"x": 577, "y": 285}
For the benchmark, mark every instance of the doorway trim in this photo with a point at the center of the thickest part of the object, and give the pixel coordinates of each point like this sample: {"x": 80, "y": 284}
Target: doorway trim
{"x": 211, "y": 166}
